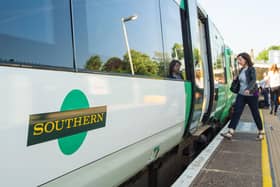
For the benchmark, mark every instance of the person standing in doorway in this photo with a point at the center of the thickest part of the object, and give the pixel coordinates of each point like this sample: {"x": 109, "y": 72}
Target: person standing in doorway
{"x": 246, "y": 95}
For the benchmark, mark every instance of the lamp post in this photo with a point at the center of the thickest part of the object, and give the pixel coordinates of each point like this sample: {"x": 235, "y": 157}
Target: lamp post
{"x": 130, "y": 18}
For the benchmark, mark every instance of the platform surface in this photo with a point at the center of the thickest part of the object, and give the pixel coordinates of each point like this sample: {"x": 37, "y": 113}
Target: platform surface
{"x": 242, "y": 161}
{"x": 237, "y": 162}
{"x": 272, "y": 128}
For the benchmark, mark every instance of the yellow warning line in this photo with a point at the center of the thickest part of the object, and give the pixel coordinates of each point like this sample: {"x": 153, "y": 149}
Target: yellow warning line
{"x": 266, "y": 176}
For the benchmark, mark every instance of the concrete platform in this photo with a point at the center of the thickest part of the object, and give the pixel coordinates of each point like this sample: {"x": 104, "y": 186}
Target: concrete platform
{"x": 272, "y": 129}
{"x": 234, "y": 163}
{"x": 242, "y": 161}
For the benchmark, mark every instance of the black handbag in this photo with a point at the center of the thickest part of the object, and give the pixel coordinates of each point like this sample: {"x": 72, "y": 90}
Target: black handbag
{"x": 235, "y": 86}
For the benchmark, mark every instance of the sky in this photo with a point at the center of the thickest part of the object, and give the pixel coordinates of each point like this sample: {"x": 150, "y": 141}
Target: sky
{"x": 246, "y": 24}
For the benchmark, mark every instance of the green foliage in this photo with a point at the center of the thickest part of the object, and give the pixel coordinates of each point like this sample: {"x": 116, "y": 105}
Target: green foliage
{"x": 164, "y": 61}
{"x": 263, "y": 55}
{"x": 114, "y": 64}
{"x": 177, "y": 51}
{"x": 197, "y": 57}
{"x": 163, "y": 67}
{"x": 93, "y": 63}
{"x": 142, "y": 63}
{"x": 274, "y": 47}
{"x": 219, "y": 62}
{"x": 152, "y": 68}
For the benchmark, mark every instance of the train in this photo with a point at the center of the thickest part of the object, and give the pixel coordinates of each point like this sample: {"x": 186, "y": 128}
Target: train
{"x": 85, "y": 95}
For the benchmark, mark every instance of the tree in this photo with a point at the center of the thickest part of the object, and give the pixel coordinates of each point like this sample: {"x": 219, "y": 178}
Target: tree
{"x": 114, "y": 64}
{"x": 177, "y": 51}
{"x": 142, "y": 63}
{"x": 263, "y": 55}
{"x": 164, "y": 60}
{"x": 197, "y": 56}
{"x": 274, "y": 47}
{"x": 93, "y": 63}
{"x": 219, "y": 62}
{"x": 152, "y": 68}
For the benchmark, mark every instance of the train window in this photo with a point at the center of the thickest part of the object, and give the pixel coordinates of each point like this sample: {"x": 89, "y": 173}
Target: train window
{"x": 36, "y": 32}
{"x": 172, "y": 36}
{"x": 106, "y": 32}
{"x": 234, "y": 66}
{"x": 218, "y": 58}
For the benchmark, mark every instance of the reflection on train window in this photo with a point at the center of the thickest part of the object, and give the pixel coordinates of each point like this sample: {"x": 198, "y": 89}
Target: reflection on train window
{"x": 199, "y": 79}
{"x": 218, "y": 56}
{"x": 101, "y": 30}
{"x": 36, "y": 32}
{"x": 234, "y": 66}
{"x": 172, "y": 36}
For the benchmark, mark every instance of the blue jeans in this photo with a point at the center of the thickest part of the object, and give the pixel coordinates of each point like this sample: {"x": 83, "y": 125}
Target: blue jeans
{"x": 265, "y": 92}
{"x": 274, "y": 94}
{"x": 240, "y": 103}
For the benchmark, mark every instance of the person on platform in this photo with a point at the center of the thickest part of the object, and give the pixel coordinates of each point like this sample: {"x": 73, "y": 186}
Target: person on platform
{"x": 264, "y": 84}
{"x": 248, "y": 94}
{"x": 274, "y": 82}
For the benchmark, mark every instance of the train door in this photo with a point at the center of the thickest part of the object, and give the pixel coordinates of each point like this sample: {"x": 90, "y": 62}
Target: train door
{"x": 206, "y": 69}
{"x": 199, "y": 62}
{"x": 193, "y": 62}
{"x": 196, "y": 60}
{"x": 219, "y": 74}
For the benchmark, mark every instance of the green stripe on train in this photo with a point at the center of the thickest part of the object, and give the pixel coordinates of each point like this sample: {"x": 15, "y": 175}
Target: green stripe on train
{"x": 188, "y": 94}
{"x": 182, "y": 4}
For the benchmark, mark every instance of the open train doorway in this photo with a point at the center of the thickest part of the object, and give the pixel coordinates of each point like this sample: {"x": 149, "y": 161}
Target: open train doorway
{"x": 204, "y": 54}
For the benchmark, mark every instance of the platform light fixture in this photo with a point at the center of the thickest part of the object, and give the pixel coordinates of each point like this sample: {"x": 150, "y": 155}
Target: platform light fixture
{"x": 130, "y": 18}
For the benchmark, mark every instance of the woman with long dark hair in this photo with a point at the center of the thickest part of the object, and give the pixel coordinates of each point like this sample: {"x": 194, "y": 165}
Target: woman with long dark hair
{"x": 248, "y": 94}
{"x": 174, "y": 70}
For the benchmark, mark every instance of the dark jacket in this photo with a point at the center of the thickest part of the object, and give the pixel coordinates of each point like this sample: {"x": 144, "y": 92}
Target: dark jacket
{"x": 251, "y": 79}
{"x": 173, "y": 77}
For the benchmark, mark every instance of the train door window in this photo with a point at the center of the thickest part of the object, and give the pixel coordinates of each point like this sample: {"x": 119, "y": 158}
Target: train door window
{"x": 172, "y": 37}
{"x": 218, "y": 57}
{"x": 198, "y": 65}
{"x": 36, "y": 32}
{"x": 206, "y": 69}
{"x": 199, "y": 72}
{"x": 229, "y": 63}
{"x": 107, "y": 32}
{"x": 234, "y": 66}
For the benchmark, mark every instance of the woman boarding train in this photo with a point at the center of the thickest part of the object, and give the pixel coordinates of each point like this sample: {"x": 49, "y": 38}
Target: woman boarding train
{"x": 248, "y": 94}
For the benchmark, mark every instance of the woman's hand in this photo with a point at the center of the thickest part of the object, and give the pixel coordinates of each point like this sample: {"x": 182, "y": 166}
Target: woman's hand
{"x": 247, "y": 92}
